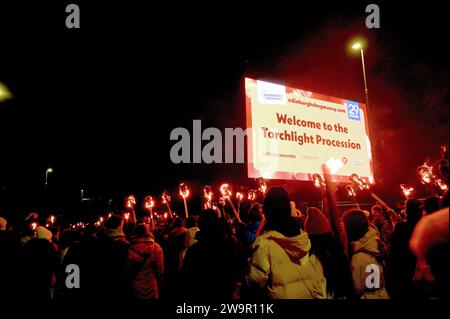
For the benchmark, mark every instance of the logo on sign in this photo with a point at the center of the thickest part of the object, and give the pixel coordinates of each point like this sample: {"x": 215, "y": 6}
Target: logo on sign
{"x": 353, "y": 110}
{"x": 269, "y": 93}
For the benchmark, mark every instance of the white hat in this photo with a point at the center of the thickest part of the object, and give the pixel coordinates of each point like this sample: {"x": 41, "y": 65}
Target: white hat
{"x": 43, "y": 233}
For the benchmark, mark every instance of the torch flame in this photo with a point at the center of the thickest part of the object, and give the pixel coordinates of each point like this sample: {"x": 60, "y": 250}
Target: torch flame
{"x": 239, "y": 196}
{"x": 426, "y": 173}
{"x": 442, "y": 186}
{"x": 359, "y": 182}
{"x": 131, "y": 201}
{"x": 225, "y": 191}
{"x": 208, "y": 194}
{"x": 149, "y": 202}
{"x": 251, "y": 194}
{"x": 318, "y": 181}
{"x": 184, "y": 190}
{"x": 165, "y": 197}
{"x": 350, "y": 191}
{"x": 334, "y": 165}
{"x": 262, "y": 186}
{"x": 407, "y": 190}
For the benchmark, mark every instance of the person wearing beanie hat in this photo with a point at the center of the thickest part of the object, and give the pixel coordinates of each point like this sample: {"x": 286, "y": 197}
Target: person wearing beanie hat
{"x": 325, "y": 253}
{"x": 364, "y": 251}
{"x": 316, "y": 223}
{"x": 280, "y": 265}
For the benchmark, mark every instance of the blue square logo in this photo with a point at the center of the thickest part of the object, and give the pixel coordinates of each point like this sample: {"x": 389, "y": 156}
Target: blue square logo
{"x": 353, "y": 110}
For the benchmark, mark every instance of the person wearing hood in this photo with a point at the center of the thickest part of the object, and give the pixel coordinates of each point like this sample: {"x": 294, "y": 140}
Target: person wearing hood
{"x": 365, "y": 253}
{"x": 145, "y": 266}
{"x": 280, "y": 265}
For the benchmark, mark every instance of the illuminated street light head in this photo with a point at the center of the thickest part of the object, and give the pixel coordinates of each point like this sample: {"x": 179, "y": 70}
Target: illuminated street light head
{"x": 49, "y": 170}
{"x": 357, "y": 46}
{"x": 5, "y": 94}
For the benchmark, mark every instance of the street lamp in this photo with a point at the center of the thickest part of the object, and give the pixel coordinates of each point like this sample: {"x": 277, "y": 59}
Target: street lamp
{"x": 5, "y": 94}
{"x": 48, "y": 171}
{"x": 359, "y": 46}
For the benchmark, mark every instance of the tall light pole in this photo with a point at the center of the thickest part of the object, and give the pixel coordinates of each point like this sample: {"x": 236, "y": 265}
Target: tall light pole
{"x": 48, "y": 171}
{"x": 358, "y": 46}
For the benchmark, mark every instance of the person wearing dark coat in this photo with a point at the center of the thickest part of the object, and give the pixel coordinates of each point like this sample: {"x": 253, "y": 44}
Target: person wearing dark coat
{"x": 38, "y": 266}
{"x": 111, "y": 260}
{"x": 145, "y": 266}
{"x": 208, "y": 271}
{"x": 401, "y": 263}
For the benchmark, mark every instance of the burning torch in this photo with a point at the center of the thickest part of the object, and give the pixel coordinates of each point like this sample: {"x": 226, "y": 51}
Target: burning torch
{"x": 184, "y": 193}
{"x": 225, "y": 190}
{"x": 207, "y": 195}
{"x": 165, "y": 197}
{"x": 149, "y": 204}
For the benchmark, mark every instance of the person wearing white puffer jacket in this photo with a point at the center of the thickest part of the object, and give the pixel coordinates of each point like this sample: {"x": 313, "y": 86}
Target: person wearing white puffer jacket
{"x": 365, "y": 250}
{"x": 280, "y": 265}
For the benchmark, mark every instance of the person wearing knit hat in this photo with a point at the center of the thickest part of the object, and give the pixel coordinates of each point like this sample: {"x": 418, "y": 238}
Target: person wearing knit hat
{"x": 365, "y": 250}
{"x": 316, "y": 223}
{"x": 325, "y": 253}
{"x": 277, "y": 211}
{"x": 43, "y": 233}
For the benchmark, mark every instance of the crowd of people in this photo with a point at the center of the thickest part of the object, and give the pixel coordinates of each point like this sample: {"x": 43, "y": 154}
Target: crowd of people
{"x": 272, "y": 251}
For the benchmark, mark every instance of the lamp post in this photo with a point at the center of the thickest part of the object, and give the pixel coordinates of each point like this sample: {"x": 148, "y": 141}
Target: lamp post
{"x": 358, "y": 46}
{"x": 48, "y": 171}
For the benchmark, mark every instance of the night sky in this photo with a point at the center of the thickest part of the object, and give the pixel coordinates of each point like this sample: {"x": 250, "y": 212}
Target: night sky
{"x": 98, "y": 104}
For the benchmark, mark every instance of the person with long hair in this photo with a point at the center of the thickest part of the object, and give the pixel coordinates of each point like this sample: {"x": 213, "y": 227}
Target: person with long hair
{"x": 365, "y": 252}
